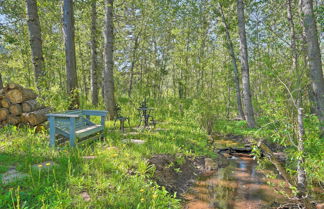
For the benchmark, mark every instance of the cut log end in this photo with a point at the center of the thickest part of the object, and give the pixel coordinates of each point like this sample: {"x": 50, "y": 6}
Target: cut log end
{"x": 17, "y": 96}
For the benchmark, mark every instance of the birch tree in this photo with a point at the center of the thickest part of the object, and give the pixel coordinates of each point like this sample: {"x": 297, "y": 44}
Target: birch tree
{"x": 35, "y": 41}
{"x": 314, "y": 58}
{"x": 94, "y": 62}
{"x": 109, "y": 89}
{"x": 247, "y": 100}
{"x": 234, "y": 63}
{"x": 1, "y": 83}
{"x": 71, "y": 72}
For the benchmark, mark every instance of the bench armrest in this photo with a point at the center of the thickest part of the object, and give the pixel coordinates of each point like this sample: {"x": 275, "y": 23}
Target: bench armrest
{"x": 95, "y": 112}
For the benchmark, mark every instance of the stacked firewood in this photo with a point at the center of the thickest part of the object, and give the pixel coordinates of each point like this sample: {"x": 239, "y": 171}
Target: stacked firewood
{"x": 18, "y": 105}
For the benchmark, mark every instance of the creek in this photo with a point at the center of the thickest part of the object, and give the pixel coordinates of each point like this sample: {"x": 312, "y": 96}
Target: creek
{"x": 238, "y": 185}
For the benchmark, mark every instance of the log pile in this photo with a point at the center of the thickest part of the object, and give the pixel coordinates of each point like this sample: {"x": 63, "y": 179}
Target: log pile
{"x": 18, "y": 105}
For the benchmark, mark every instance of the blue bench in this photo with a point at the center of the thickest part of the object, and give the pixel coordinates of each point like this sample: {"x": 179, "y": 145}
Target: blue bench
{"x": 75, "y": 124}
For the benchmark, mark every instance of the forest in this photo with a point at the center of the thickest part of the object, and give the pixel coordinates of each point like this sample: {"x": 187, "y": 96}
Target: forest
{"x": 194, "y": 104}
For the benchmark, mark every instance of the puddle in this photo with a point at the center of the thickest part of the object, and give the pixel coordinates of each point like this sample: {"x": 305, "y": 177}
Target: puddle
{"x": 238, "y": 185}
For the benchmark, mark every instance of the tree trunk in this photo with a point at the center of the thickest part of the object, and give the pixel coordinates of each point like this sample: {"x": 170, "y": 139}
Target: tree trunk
{"x": 35, "y": 42}
{"x": 292, "y": 36}
{"x": 301, "y": 175}
{"x": 236, "y": 75}
{"x": 314, "y": 58}
{"x": 1, "y": 83}
{"x": 94, "y": 62}
{"x": 131, "y": 71}
{"x": 71, "y": 72}
{"x": 109, "y": 93}
{"x": 247, "y": 100}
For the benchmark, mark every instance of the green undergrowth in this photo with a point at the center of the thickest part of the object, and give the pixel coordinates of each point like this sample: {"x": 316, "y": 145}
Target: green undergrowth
{"x": 119, "y": 176}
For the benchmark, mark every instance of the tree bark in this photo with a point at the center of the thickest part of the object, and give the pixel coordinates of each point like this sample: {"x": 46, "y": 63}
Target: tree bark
{"x": 14, "y": 120}
{"x": 36, "y": 117}
{"x": 131, "y": 71}
{"x": 314, "y": 58}
{"x": 247, "y": 100}
{"x": 35, "y": 42}
{"x": 31, "y": 105}
{"x": 71, "y": 72}
{"x": 236, "y": 75}
{"x": 94, "y": 61}
{"x": 301, "y": 174}
{"x": 1, "y": 83}
{"x": 109, "y": 91}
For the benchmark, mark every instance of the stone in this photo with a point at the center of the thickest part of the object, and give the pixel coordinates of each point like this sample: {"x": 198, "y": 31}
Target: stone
{"x": 89, "y": 157}
{"x": 13, "y": 175}
{"x": 210, "y": 164}
{"x": 134, "y": 141}
{"x": 85, "y": 196}
{"x": 131, "y": 133}
{"x": 44, "y": 165}
{"x": 160, "y": 129}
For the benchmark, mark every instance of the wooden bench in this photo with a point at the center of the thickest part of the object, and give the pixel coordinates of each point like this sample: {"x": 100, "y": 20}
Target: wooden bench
{"x": 75, "y": 124}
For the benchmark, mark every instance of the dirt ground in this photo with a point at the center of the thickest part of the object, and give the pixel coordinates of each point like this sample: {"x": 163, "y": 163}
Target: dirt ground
{"x": 177, "y": 173}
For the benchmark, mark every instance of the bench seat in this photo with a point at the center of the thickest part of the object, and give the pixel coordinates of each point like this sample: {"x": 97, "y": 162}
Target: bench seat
{"x": 89, "y": 130}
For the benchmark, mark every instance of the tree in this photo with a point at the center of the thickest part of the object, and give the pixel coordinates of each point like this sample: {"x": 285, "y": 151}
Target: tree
{"x": 71, "y": 72}
{"x": 247, "y": 100}
{"x": 314, "y": 58}
{"x": 109, "y": 89}
{"x": 94, "y": 62}
{"x": 35, "y": 42}
{"x": 234, "y": 63}
{"x": 1, "y": 83}
{"x": 301, "y": 175}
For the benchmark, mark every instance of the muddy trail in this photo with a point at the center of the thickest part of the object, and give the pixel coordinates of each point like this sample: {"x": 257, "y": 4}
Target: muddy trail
{"x": 238, "y": 185}
{"x": 232, "y": 181}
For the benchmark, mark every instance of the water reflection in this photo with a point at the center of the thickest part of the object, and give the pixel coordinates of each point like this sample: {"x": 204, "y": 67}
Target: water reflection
{"x": 238, "y": 185}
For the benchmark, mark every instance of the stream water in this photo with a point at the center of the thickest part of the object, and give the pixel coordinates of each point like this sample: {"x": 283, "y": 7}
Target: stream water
{"x": 238, "y": 185}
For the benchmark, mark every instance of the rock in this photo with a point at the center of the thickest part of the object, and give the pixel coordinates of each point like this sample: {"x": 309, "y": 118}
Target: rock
{"x": 44, "y": 165}
{"x": 160, "y": 129}
{"x": 134, "y": 141}
{"x": 12, "y": 175}
{"x": 131, "y": 133}
{"x": 85, "y": 196}
{"x": 89, "y": 157}
{"x": 210, "y": 164}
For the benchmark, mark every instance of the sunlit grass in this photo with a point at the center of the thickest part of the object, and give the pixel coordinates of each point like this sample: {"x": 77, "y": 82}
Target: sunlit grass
{"x": 119, "y": 175}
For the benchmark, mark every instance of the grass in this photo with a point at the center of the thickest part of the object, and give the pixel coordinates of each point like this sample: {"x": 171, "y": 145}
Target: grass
{"x": 119, "y": 176}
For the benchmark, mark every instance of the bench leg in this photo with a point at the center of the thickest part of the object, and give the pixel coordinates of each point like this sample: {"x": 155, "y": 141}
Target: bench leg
{"x": 128, "y": 123}
{"x": 72, "y": 132}
{"x": 122, "y": 125}
{"x": 52, "y": 131}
